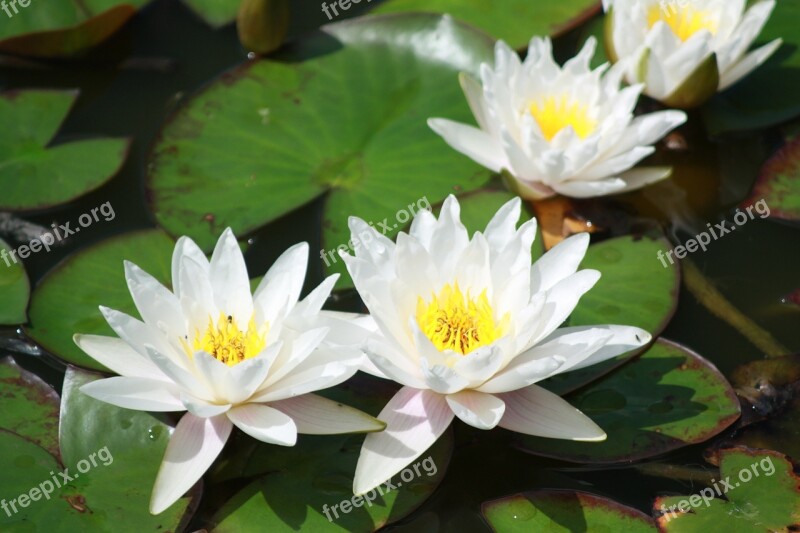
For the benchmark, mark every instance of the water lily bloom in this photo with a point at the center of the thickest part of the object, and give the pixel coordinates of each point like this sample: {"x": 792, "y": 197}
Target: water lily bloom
{"x": 227, "y": 357}
{"x": 468, "y": 326}
{"x": 684, "y": 51}
{"x": 555, "y": 130}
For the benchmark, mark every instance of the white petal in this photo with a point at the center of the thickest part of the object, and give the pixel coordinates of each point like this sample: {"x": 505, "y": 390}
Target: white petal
{"x": 502, "y": 228}
{"x": 201, "y": 408}
{"x": 192, "y": 448}
{"x": 280, "y": 288}
{"x": 140, "y": 394}
{"x": 118, "y": 356}
{"x": 415, "y": 419}
{"x": 623, "y": 339}
{"x": 470, "y": 141}
{"x": 562, "y": 299}
{"x": 315, "y": 415}
{"x": 185, "y": 247}
{"x": 640, "y": 177}
{"x": 157, "y": 306}
{"x": 477, "y": 409}
{"x": 229, "y": 279}
{"x": 537, "y": 411}
{"x": 264, "y": 423}
{"x": 559, "y": 262}
{"x": 749, "y": 63}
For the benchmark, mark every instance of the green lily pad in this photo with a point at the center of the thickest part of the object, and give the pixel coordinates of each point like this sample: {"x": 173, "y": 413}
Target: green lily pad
{"x": 36, "y": 175}
{"x": 779, "y": 185}
{"x": 215, "y": 12}
{"x": 515, "y": 23}
{"x": 112, "y": 456}
{"x": 761, "y": 493}
{"x": 303, "y": 483}
{"x": 668, "y": 398}
{"x": 768, "y": 95}
{"x": 90, "y": 278}
{"x": 635, "y": 289}
{"x": 343, "y": 111}
{"x": 557, "y": 511}
{"x": 65, "y": 28}
{"x": 15, "y": 289}
{"x": 30, "y": 406}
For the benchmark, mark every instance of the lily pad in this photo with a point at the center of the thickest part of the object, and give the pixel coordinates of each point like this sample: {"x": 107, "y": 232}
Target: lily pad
{"x": 215, "y": 12}
{"x": 768, "y": 95}
{"x": 305, "y": 482}
{"x": 557, "y": 511}
{"x": 635, "y": 289}
{"x": 515, "y": 23}
{"x": 90, "y": 278}
{"x": 779, "y": 184}
{"x": 362, "y": 91}
{"x": 111, "y": 456}
{"x": 35, "y": 174}
{"x": 67, "y": 28}
{"x": 15, "y": 289}
{"x": 30, "y": 406}
{"x": 668, "y": 398}
{"x": 761, "y": 493}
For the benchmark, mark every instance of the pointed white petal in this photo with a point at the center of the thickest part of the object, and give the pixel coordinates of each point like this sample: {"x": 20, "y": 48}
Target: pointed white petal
{"x": 185, "y": 247}
{"x": 140, "y": 394}
{"x": 472, "y": 142}
{"x": 537, "y": 411}
{"x": 264, "y": 423}
{"x": 118, "y": 356}
{"x": 192, "y": 448}
{"x": 749, "y": 63}
{"x": 477, "y": 409}
{"x": 315, "y": 415}
{"x": 229, "y": 279}
{"x": 157, "y": 306}
{"x": 559, "y": 262}
{"x": 201, "y": 408}
{"x": 622, "y": 339}
{"x": 280, "y": 288}
{"x": 415, "y": 419}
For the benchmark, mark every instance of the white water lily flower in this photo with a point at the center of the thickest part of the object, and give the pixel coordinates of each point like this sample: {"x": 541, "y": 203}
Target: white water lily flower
{"x": 468, "y": 326}
{"x": 684, "y": 51}
{"x": 227, "y": 357}
{"x": 557, "y": 130}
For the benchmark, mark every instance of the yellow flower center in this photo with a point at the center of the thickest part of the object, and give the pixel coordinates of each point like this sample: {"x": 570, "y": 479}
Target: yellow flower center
{"x": 684, "y": 19}
{"x": 226, "y": 342}
{"x": 553, "y": 114}
{"x": 453, "y": 321}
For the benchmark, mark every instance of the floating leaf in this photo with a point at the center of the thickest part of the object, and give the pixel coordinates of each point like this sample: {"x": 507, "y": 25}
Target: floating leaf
{"x": 761, "y": 491}
{"x": 65, "y": 28}
{"x": 635, "y": 289}
{"x": 66, "y": 300}
{"x": 557, "y": 511}
{"x": 235, "y": 155}
{"x": 215, "y": 12}
{"x": 306, "y": 481}
{"x": 15, "y": 289}
{"x": 516, "y": 22}
{"x": 30, "y": 406}
{"x": 779, "y": 184}
{"x": 668, "y": 398}
{"x": 768, "y": 95}
{"x": 36, "y": 175}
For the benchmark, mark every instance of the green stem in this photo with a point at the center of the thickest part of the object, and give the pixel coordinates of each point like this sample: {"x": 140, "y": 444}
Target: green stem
{"x": 708, "y": 295}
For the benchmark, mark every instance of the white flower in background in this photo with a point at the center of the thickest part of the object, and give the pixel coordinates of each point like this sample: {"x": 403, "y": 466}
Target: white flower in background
{"x": 227, "y": 357}
{"x": 467, "y": 326}
{"x": 684, "y": 51}
{"x": 557, "y": 130}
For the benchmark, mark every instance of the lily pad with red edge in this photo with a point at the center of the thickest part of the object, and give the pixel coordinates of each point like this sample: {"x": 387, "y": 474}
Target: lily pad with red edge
{"x": 30, "y": 406}
{"x": 515, "y": 23}
{"x": 37, "y": 172}
{"x": 557, "y": 511}
{"x": 760, "y": 491}
{"x": 779, "y": 185}
{"x": 117, "y": 453}
{"x": 67, "y": 28}
{"x": 88, "y": 279}
{"x": 297, "y": 485}
{"x": 668, "y": 398}
{"x": 635, "y": 289}
{"x": 341, "y": 112}
{"x": 15, "y": 288}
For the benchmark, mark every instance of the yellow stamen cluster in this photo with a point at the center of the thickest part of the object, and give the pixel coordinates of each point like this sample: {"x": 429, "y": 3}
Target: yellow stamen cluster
{"x": 682, "y": 17}
{"x": 553, "y": 114}
{"x": 453, "y": 321}
{"x": 227, "y": 343}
